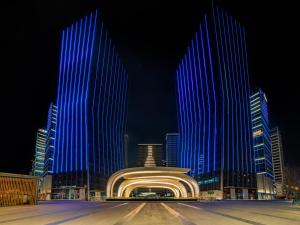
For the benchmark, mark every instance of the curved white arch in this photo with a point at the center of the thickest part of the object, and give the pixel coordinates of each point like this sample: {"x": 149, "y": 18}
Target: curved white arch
{"x": 174, "y": 177}
{"x": 181, "y": 177}
{"x": 139, "y": 170}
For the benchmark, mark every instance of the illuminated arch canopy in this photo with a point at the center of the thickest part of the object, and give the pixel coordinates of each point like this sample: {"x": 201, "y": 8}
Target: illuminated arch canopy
{"x": 123, "y": 182}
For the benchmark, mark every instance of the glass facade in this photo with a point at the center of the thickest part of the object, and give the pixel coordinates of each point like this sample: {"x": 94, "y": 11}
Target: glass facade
{"x": 39, "y": 159}
{"x": 172, "y": 144}
{"x": 213, "y": 104}
{"x": 278, "y": 162}
{"x": 261, "y": 134}
{"x": 51, "y": 126}
{"x": 91, "y": 107}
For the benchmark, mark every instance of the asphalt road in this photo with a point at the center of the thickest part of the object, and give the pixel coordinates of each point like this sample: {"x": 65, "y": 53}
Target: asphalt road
{"x": 152, "y": 213}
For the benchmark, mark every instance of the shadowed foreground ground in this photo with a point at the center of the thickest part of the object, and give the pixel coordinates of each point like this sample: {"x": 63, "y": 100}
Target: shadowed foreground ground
{"x": 153, "y": 213}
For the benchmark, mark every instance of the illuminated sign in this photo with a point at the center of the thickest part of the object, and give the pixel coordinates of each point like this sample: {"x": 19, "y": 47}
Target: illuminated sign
{"x": 209, "y": 181}
{"x": 258, "y": 132}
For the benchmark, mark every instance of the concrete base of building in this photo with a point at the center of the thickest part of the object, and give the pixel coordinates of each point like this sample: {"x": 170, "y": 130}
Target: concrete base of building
{"x": 211, "y": 195}
{"x": 228, "y": 193}
{"x": 45, "y": 189}
{"x": 265, "y": 196}
{"x": 69, "y": 192}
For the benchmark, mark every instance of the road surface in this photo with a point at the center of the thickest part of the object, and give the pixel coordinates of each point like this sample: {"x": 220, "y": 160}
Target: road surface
{"x": 152, "y": 213}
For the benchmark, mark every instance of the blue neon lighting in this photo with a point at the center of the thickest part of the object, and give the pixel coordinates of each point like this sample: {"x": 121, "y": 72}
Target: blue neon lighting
{"x": 213, "y": 115}
{"x": 77, "y": 77}
{"x": 215, "y": 132}
{"x": 63, "y": 108}
{"x": 92, "y": 99}
{"x": 57, "y": 136}
{"x": 67, "y": 99}
{"x": 71, "y": 95}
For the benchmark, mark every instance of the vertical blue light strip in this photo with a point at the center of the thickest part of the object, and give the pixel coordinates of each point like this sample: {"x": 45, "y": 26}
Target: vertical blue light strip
{"x": 193, "y": 115}
{"x": 100, "y": 120}
{"x": 243, "y": 118}
{"x": 83, "y": 96}
{"x": 231, "y": 110}
{"x": 58, "y": 103}
{"x": 215, "y": 134}
{"x": 82, "y": 73}
{"x": 180, "y": 110}
{"x": 103, "y": 121}
{"x": 97, "y": 83}
{"x": 112, "y": 118}
{"x": 235, "y": 103}
{"x": 74, "y": 69}
{"x": 78, "y": 78}
{"x": 68, "y": 99}
{"x": 88, "y": 82}
{"x": 221, "y": 61}
{"x": 227, "y": 93}
{"x": 247, "y": 84}
{"x": 208, "y": 100}
{"x": 63, "y": 109}
{"x": 108, "y": 120}
{"x": 184, "y": 115}
{"x": 73, "y": 82}
{"x": 202, "y": 100}
{"x": 188, "y": 104}
{"x": 199, "y": 124}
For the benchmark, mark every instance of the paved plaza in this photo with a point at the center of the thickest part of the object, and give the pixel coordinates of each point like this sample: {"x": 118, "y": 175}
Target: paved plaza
{"x": 152, "y": 213}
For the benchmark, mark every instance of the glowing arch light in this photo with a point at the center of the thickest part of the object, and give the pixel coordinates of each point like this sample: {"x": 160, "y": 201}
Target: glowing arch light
{"x": 171, "y": 178}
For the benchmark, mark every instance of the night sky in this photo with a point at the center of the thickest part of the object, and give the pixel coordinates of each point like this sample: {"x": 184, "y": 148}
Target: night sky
{"x": 151, "y": 37}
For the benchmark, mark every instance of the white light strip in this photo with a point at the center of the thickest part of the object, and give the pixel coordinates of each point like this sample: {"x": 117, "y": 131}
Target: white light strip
{"x": 258, "y": 145}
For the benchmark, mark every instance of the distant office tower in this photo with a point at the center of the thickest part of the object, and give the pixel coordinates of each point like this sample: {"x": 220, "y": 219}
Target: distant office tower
{"x": 51, "y": 125}
{"x": 214, "y": 115}
{"x": 172, "y": 142}
{"x": 40, "y": 146}
{"x": 262, "y": 145}
{"x": 126, "y": 143}
{"x": 91, "y": 103}
{"x": 149, "y": 155}
{"x": 278, "y": 162}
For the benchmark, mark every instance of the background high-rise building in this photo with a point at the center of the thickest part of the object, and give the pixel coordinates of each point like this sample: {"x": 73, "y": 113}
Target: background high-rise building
{"x": 91, "y": 109}
{"x": 39, "y": 158}
{"x": 51, "y": 126}
{"x": 278, "y": 162}
{"x": 149, "y": 155}
{"x": 172, "y": 142}
{"x": 214, "y": 110}
{"x": 262, "y": 145}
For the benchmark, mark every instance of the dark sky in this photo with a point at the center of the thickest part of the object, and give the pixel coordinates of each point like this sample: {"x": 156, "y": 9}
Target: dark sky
{"x": 151, "y": 37}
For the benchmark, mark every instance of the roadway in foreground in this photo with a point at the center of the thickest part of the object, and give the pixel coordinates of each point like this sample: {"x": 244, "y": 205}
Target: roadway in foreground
{"x": 152, "y": 213}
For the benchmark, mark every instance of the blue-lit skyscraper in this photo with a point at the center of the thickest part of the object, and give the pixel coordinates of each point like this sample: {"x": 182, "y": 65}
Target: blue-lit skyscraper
{"x": 262, "y": 145}
{"x": 172, "y": 144}
{"x": 214, "y": 111}
{"x": 51, "y": 126}
{"x": 91, "y": 108}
